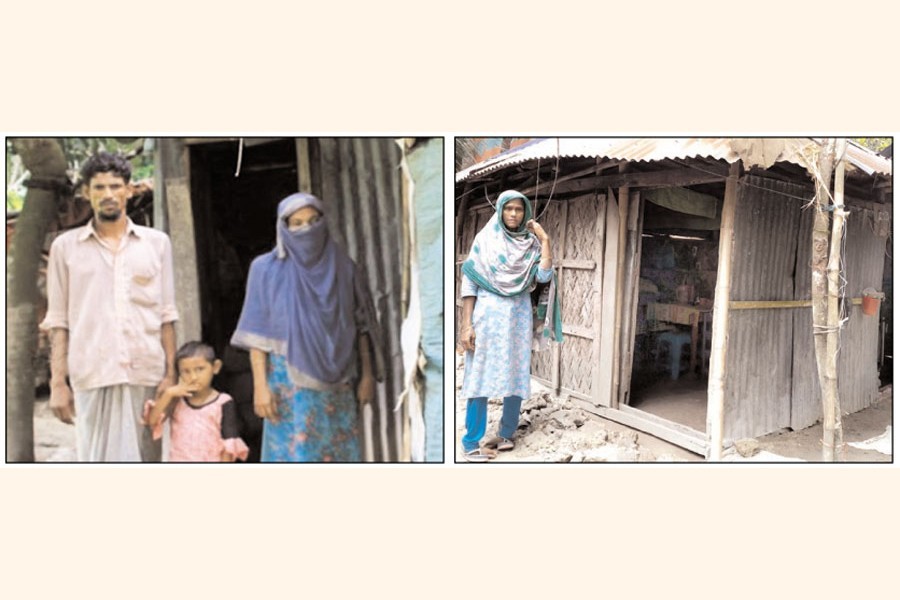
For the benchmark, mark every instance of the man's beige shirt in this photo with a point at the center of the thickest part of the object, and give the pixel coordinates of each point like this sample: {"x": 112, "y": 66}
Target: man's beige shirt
{"x": 113, "y": 303}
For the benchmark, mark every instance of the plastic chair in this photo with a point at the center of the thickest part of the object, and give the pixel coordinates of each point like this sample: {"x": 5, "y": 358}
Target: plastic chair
{"x": 676, "y": 341}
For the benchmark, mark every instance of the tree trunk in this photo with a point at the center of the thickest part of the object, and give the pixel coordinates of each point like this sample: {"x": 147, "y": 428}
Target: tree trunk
{"x": 820, "y": 243}
{"x": 832, "y": 338}
{"x": 45, "y": 160}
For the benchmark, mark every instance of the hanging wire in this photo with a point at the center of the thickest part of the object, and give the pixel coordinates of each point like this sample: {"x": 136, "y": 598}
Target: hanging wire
{"x": 748, "y": 184}
{"x": 553, "y": 187}
{"x": 494, "y": 206}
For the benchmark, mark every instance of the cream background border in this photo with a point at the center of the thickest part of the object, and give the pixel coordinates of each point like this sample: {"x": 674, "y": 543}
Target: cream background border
{"x": 412, "y": 531}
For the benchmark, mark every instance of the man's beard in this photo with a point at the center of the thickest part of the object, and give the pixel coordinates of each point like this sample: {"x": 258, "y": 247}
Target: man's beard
{"x": 110, "y": 217}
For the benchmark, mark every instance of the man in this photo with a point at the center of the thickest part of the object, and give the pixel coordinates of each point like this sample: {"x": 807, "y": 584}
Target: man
{"x": 111, "y": 313}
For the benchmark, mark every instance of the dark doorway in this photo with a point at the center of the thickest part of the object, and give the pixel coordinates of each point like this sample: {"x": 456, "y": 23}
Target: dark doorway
{"x": 679, "y": 261}
{"x": 234, "y": 221}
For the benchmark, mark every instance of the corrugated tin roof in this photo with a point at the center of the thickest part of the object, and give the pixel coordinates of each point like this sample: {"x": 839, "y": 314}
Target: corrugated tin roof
{"x": 762, "y": 152}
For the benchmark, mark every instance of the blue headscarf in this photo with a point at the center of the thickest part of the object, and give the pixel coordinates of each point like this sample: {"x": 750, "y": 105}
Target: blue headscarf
{"x": 300, "y": 300}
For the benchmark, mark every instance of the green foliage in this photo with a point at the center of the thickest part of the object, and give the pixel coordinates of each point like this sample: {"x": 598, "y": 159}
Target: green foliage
{"x": 77, "y": 151}
{"x": 875, "y": 144}
{"x": 13, "y": 201}
{"x": 139, "y": 151}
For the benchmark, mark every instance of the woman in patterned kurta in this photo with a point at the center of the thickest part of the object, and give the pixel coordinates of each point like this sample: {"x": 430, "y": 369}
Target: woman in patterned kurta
{"x": 509, "y": 256}
{"x": 307, "y": 322}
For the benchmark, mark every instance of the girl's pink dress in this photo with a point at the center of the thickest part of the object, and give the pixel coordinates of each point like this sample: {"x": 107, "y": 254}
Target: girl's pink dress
{"x": 206, "y": 433}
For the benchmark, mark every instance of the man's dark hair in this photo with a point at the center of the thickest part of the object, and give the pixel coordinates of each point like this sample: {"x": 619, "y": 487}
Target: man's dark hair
{"x": 192, "y": 349}
{"x": 104, "y": 162}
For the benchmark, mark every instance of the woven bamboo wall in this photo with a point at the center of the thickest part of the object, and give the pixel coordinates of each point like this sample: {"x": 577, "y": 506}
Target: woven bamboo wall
{"x": 542, "y": 362}
{"x": 577, "y": 362}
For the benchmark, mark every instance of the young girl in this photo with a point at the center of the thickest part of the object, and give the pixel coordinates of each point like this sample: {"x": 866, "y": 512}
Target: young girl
{"x": 204, "y": 423}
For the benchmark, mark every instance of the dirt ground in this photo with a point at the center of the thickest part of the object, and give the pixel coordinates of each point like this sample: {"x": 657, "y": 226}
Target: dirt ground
{"x": 54, "y": 441}
{"x": 551, "y": 429}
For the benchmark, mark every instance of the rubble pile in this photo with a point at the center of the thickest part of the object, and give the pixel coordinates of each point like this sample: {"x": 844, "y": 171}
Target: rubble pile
{"x": 552, "y": 429}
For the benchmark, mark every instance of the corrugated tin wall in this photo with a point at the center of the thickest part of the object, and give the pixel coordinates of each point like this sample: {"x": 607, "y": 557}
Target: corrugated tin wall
{"x": 857, "y": 363}
{"x": 361, "y": 178}
{"x": 758, "y": 369}
{"x": 771, "y": 379}
{"x": 806, "y": 405}
{"x": 864, "y": 267}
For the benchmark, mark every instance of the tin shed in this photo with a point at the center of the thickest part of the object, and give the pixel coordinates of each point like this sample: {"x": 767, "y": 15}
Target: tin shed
{"x": 636, "y": 227}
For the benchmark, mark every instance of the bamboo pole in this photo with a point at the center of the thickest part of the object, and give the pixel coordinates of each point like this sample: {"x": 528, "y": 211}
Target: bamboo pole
{"x": 715, "y": 413}
{"x": 832, "y": 337}
{"x": 768, "y": 304}
{"x": 820, "y": 242}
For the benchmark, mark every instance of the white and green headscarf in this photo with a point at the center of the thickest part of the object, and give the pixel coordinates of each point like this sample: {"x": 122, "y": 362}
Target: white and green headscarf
{"x": 506, "y": 262}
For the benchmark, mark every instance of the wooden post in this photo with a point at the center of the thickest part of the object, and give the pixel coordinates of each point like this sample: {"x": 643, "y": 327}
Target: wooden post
{"x": 597, "y": 294}
{"x": 822, "y": 175}
{"x": 629, "y": 305}
{"x": 304, "y": 170}
{"x": 603, "y": 395}
{"x": 832, "y": 337}
{"x": 715, "y": 412}
{"x": 624, "y": 194}
{"x": 560, "y": 255}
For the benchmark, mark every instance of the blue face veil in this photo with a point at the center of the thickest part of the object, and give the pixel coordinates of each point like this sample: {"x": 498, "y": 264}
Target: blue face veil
{"x": 300, "y": 299}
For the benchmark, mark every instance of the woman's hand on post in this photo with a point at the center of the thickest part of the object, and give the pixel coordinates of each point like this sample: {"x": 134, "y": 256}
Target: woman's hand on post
{"x": 365, "y": 390}
{"x": 264, "y": 404}
{"x": 535, "y": 228}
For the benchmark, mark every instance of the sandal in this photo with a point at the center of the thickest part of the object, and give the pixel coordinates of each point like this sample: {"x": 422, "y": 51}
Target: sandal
{"x": 479, "y": 455}
{"x": 500, "y": 443}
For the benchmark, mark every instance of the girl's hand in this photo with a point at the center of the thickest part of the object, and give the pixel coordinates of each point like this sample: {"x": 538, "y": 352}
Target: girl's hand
{"x": 182, "y": 390}
{"x": 535, "y": 228}
{"x": 264, "y": 404}
{"x": 365, "y": 390}
{"x": 467, "y": 338}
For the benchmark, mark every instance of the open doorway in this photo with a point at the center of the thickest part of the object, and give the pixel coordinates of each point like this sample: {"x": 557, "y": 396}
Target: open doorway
{"x": 234, "y": 221}
{"x": 235, "y": 204}
{"x": 673, "y": 328}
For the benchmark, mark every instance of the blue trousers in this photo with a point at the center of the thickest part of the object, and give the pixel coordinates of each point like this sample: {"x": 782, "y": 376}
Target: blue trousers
{"x": 476, "y": 420}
